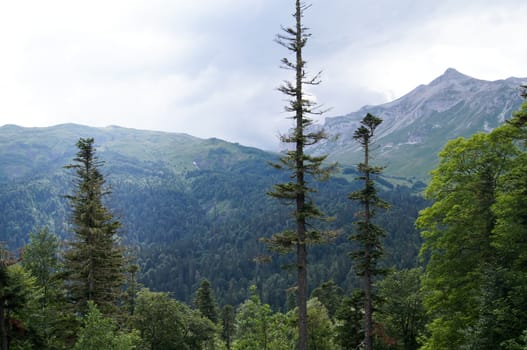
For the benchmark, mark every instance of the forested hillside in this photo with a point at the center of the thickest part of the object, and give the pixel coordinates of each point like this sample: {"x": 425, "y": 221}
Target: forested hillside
{"x": 401, "y": 226}
{"x": 190, "y": 208}
{"x": 192, "y": 220}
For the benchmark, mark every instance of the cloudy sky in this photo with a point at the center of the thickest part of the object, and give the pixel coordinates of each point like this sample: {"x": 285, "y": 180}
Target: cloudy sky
{"x": 210, "y": 68}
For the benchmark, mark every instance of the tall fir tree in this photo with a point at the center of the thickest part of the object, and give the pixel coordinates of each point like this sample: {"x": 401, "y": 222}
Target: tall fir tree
{"x": 95, "y": 261}
{"x": 369, "y": 234}
{"x": 302, "y": 167}
{"x": 227, "y": 317}
{"x": 205, "y": 303}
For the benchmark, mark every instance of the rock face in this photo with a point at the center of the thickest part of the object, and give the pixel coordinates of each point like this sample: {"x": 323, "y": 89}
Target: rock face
{"x": 416, "y": 126}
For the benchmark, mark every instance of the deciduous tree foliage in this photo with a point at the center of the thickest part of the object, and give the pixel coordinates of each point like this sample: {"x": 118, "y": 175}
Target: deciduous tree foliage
{"x": 165, "y": 324}
{"x": 257, "y": 327}
{"x": 401, "y": 314}
{"x": 42, "y": 258}
{"x": 99, "y": 332}
{"x": 475, "y": 282}
{"x": 95, "y": 259}
{"x": 301, "y": 166}
{"x": 458, "y": 230}
{"x": 17, "y": 293}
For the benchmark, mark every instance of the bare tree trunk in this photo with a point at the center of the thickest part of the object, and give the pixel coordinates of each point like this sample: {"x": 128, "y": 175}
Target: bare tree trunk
{"x": 368, "y": 311}
{"x": 301, "y": 221}
{"x": 302, "y": 293}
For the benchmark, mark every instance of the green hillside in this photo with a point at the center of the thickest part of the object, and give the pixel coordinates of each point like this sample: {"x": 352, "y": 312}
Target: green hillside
{"x": 190, "y": 208}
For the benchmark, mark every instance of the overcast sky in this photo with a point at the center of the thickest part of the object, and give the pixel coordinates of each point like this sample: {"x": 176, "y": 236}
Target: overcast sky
{"x": 210, "y": 68}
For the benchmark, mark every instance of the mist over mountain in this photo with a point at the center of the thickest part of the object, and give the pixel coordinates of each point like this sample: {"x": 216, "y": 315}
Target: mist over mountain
{"x": 416, "y": 126}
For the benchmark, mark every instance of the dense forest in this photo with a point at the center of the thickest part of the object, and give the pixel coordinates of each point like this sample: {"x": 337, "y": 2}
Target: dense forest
{"x": 105, "y": 250}
{"x": 465, "y": 289}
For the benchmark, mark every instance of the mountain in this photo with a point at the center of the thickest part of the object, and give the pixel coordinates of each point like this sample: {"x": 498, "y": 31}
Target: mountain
{"x": 190, "y": 208}
{"x": 32, "y": 151}
{"x": 193, "y": 208}
{"x": 416, "y": 126}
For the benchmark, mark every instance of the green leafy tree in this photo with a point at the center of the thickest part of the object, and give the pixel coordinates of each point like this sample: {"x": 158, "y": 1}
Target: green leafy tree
{"x": 19, "y": 303}
{"x": 458, "y": 227}
{"x": 300, "y": 165}
{"x": 99, "y": 332}
{"x": 166, "y": 324}
{"x": 506, "y": 287}
{"x": 401, "y": 313}
{"x": 321, "y": 329}
{"x": 205, "y": 303}
{"x": 257, "y": 327}
{"x": 4, "y": 295}
{"x": 41, "y": 257}
{"x": 463, "y": 285}
{"x": 369, "y": 234}
{"x": 95, "y": 259}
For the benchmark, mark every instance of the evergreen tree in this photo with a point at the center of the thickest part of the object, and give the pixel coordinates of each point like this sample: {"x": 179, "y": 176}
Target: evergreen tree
{"x": 349, "y": 326}
{"x": 41, "y": 257}
{"x": 227, "y": 322}
{"x": 166, "y": 324}
{"x": 94, "y": 260}
{"x": 18, "y": 292}
{"x": 368, "y": 233}
{"x": 132, "y": 287}
{"x": 300, "y": 165}
{"x": 205, "y": 303}
{"x": 401, "y": 314}
{"x": 9, "y": 299}
{"x": 330, "y": 295}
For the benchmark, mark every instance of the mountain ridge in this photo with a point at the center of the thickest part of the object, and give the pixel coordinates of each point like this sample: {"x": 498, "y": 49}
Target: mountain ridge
{"x": 420, "y": 123}
{"x": 45, "y": 146}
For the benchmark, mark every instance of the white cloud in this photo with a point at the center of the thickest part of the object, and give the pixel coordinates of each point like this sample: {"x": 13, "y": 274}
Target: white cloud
{"x": 210, "y": 68}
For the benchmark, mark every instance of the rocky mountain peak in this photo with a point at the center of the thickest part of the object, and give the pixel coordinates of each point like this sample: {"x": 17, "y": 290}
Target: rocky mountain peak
{"x": 418, "y": 125}
{"x": 452, "y": 73}
{"x": 451, "y": 76}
